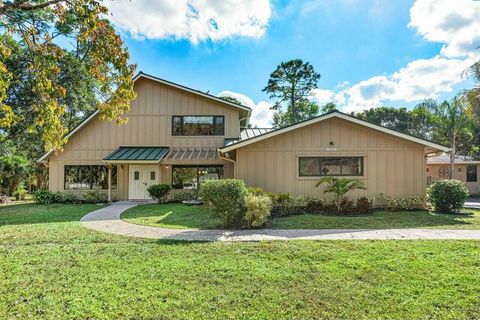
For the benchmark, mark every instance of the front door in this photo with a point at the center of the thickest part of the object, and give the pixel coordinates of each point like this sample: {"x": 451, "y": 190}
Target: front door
{"x": 140, "y": 178}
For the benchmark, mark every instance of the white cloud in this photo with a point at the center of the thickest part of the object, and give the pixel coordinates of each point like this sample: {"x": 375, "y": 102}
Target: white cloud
{"x": 195, "y": 20}
{"x": 261, "y": 116}
{"x": 456, "y": 24}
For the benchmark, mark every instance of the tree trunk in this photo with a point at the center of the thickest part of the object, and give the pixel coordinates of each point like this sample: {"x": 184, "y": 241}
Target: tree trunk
{"x": 453, "y": 153}
{"x": 294, "y": 111}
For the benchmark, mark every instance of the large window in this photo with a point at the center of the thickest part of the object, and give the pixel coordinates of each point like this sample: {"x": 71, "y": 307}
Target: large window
{"x": 330, "y": 166}
{"x": 472, "y": 173}
{"x": 88, "y": 177}
{"x": 190, "y": 177}
{"x": 198, "y": 125}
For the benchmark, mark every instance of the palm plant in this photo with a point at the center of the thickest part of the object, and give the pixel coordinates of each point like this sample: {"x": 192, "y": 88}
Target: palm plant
{"x": 339, "y": 187}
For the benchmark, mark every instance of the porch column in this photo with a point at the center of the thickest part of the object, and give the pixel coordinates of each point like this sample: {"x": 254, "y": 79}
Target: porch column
{"x": 109, "y": 183}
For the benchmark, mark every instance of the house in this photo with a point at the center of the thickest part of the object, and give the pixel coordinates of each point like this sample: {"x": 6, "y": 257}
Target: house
{"x": 466, "y": 168}
{"x": 180, "y": 136}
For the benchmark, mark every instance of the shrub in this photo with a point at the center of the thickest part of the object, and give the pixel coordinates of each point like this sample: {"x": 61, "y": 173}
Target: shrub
{"x": 69, "y": 197}
{"x": 95, "y": 196}
{"x": 159, "y": 191}
{"x": 399, "y": 204}
{"x": 20, "y": 193}
{"x": 256, "y": 191}
{"x": 314, "y": 205}
{"x": 226, "y": 199}
{"x": 364, "y": 205}
{"x": 447, "y": 195}
{"x": 183, "y": 196}
{"x": 257, "y": 210}
{"x": 345, "y": 205}
{"x": 43, "y": 197}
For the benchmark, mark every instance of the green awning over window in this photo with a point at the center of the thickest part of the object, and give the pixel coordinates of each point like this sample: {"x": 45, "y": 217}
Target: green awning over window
{"x": 154, "y": 154}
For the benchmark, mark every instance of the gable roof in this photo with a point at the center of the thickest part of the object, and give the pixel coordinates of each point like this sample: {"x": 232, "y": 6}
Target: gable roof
{"x": 445, "y": 159}
{"x": 433, "y": 147}
{"x": 159, "y": 80}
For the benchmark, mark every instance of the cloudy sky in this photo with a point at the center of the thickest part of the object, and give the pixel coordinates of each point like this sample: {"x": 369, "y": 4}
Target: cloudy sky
{"x": 369, "y": 52}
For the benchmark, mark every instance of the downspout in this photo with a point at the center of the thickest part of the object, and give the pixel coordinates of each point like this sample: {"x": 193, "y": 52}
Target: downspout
{"x": 230, "y": 160}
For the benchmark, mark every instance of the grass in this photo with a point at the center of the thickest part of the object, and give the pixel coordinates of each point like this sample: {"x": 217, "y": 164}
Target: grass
{"x": 172, "y": 216}
{"x": 179, "y": 216}
{"x": 53, "y": 268}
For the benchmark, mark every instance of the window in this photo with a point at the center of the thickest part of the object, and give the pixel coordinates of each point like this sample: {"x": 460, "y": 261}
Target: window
{"x": 136, "y": 175}
{"x": 88, "y": 177}
{"x": 471, "y": 173}
{"x": 152, "y": 175}
{"x": 330, "y": 166}
{"x": 190, "y": 177}
{"x": 198, "y": 125}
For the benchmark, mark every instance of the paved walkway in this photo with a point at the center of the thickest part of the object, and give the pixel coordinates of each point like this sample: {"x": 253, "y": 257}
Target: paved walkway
{"x": 472, "y": 203}
{"x": 108, "y": 220}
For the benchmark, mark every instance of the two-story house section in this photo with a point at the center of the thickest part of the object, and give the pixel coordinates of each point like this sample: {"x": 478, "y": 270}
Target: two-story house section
{"x": 172, "y": 136}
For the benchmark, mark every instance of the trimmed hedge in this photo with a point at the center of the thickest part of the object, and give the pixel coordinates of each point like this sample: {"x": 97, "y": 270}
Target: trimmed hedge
{"x": 447, "y": 195}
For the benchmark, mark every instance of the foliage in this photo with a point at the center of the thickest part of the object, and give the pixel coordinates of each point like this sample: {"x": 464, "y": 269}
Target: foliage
{"x": 346, "y": 205}
{"x": 14, "y": 168}
{"x": 256, "y": 191}
{"x": 314, "y": 205}
{"x": 71, "y": 197}
{"x": 280, "y": 198}
{"x": 231, "y": 99}
{"x": 447, "y": 195}
{"x": 364, "y": 205}
{"x": 20, "y": 193}
{"x": 401, "y": 204}
{"x": 94, "y": 196}
{"x": 159, "y": 192}
{"x": 258, "y": 209}
{"x": 44, "y": 197}
{"x": 328, "y": 107}
{"x": 290, "y": 84}
{"x": 339, "y": 187}
{"x": 183, "y": 196}
{"x": 226, "y": 199}
{"x": 305, "y": 109}
{"x": 54, "y": 36}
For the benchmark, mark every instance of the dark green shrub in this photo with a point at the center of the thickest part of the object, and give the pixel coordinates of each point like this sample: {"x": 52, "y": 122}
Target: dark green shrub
{"x": 314, "y": 205}
{"x": 226, "y": 199}
{"x": 44, "y": 196}
{"x": 180, "y": 196}
{"x": 364, "y": 205}
{"x": 159, "y": 191}
{"x": 258, "y": 209}
{"x": 70, "y": 197}
{"x": 345, "y": 205}
{"x": 95, "y": 196}
{"x": 447, "y": 195}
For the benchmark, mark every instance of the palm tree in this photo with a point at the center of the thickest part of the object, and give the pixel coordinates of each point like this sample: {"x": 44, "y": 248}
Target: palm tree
{"x": 339, "y": 187}
{"x": 473, "y": 95}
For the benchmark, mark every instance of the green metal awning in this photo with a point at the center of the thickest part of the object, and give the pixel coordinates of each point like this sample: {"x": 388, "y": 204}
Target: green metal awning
{"x": 145, "y": 154}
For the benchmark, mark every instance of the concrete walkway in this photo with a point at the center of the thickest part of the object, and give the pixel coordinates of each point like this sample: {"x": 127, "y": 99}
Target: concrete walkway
{"x": 108, "y": 220}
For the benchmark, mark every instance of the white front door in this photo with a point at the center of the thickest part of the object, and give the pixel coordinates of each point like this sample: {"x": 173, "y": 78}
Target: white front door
{"x": 140, "y": 178}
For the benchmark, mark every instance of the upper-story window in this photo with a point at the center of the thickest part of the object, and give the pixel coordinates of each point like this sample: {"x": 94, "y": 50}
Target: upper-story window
{"x": 198, "y": 125}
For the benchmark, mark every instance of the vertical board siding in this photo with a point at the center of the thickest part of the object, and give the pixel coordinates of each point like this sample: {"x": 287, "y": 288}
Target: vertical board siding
{"x": 149, "y": 124}
{"x": 391, "y": 165}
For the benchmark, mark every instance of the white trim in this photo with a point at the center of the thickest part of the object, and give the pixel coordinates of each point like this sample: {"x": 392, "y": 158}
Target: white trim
{"x": 328, "y": 116}
{"x": 71, "y": 133}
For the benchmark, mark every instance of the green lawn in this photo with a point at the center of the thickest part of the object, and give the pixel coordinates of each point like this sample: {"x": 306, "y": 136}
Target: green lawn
{"x": 53, "y": 268}
{"x": 172, "y": 216}
{"x": 179, "y": 216}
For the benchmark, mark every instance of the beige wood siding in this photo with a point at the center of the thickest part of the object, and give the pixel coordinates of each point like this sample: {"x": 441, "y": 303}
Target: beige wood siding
{"x": 460, "y": 173}
{"x": 391, "y": 165}
{"x": 149, "y": 124}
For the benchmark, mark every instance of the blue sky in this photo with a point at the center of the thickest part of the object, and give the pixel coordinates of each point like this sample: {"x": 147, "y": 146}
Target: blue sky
{"x": 369, "y": 52}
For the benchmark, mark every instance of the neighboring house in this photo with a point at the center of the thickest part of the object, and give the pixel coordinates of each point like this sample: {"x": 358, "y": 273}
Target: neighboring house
{"x": 180, "y": 136}
{"x": 466, "y": 170}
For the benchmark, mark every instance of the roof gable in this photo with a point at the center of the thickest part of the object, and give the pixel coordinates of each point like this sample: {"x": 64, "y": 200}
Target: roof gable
{"x": 433, "y": 147}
